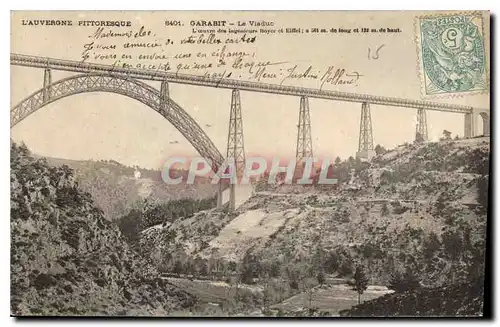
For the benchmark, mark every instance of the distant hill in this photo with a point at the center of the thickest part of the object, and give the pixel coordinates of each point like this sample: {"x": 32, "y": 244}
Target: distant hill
{"x": 66, "y": 259}
{"x": 116, "y": 189}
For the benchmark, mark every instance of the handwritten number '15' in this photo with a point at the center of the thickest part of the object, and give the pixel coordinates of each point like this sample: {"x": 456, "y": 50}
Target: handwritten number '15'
{"x": 376, "y": 52}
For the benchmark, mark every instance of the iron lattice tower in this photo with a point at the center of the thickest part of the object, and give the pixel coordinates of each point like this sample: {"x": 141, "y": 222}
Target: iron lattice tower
{"x": 365, "y": 129}
{"x": 304, "y": 141}
{"x": 421, "y": 128}
{"x": 235, "y": 146}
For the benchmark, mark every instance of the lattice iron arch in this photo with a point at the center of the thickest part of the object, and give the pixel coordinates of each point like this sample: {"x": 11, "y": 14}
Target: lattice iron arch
{"x": 132, "y": 88}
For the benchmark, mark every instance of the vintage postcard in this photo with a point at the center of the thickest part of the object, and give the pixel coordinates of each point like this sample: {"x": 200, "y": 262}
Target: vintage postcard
{"x": 249, "y": 163}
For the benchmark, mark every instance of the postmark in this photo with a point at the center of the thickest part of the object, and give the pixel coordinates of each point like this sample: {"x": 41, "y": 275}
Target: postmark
{"x": 452, "y": 56}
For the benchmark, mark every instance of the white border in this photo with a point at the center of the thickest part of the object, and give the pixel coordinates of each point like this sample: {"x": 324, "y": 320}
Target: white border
{"x": 492, "y": 5}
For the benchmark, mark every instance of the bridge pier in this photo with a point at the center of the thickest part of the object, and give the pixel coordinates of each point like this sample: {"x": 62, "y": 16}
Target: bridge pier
{"x": 47, "y": 81}
{"x": 470, "y": 125}
{"x": 304, "y": 140}
{"x": 235, "y": 148}
{"x": 486, "y": 123}
{"x": 421, "y": 129}
{"x": 365, "y": 148}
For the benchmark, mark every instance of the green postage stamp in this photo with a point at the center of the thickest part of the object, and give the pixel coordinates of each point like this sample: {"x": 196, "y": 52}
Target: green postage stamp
{"x": 452, "y": 57}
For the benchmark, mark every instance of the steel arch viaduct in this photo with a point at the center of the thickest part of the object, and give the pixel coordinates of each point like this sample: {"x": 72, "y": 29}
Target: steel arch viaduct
{"x": 126, "y": 81}
{"x": 82, "y": 67}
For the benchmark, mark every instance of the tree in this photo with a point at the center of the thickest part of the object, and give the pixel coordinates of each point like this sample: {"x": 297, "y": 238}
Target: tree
{"x": 331, "y": 263}
{"x": 338, "y": 161}
{"x": 309, "y": 285}
{"x": 130, "y": 227}
{"x": 203, "y": 270}
{"x": 178, "y": 267}
{"x": 293, "y": 277}
{"x": 200, "y": 266}
{"x": 274, "y": 269}
{"x": 351, "y": 161}
{"x": 320, "y": 277}
{"x": 401, "y": 283}
{"x": 250, "y": 268}
{"x": 359, "y": 283}
{"x": 318, "y": 258}
{"x": 446, "y": 135}
{"x": 232, "y": 266}
{"x": 380, "y": 149}
{"x": 396, "y": 283}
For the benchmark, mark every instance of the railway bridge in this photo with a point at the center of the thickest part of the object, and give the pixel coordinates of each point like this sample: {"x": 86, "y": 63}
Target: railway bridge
{"x": 92, "y": 77}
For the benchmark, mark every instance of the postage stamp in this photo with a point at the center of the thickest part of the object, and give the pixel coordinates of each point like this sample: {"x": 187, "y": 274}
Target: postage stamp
{"x": 452, "y": 57}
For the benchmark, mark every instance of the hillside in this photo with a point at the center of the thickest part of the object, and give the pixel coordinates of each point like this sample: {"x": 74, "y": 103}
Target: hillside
{"x": 461, "y": 300}
{"x": 116, "y": 190}
{"x": 67, "y": 259}
{"x": 419, "y": 207}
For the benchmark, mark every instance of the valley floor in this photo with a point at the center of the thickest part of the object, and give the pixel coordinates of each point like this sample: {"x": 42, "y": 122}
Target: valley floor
{"x": 332, "y": 297}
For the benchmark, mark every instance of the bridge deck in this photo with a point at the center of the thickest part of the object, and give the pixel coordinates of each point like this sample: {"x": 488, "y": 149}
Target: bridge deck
{"x": 82, "y": 67}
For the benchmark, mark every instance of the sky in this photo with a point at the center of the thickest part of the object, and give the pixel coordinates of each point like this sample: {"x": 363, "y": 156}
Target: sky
{"x": 111, "y": 126}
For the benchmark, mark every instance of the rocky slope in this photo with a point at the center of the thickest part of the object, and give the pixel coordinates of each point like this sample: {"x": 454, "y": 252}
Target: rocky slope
{"x": 415, "y": 207}
{"x": 67, "y": 259}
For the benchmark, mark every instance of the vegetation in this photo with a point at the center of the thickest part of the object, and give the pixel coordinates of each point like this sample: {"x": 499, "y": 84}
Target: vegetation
{"x": 359, "y": 282}
{"x": 446, "y": 135}
{"x": 151, "y": 214}
{"x": 414, "y": 226}
{"x": 380, "y": 150}
{"x": 455, "y": 300}
{"x": 67, "y": 259}
{"x": 402, "y": 282}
